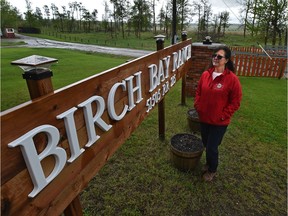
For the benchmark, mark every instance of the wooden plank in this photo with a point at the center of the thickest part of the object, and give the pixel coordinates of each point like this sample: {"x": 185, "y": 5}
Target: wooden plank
{"x": 267, "y": 66}
{"x": 16, "y": 182}
{"x": 240, "y": 67}
{"x": 245, "y": 65}
{"x": 283, "y": 65}
{"x": 263, "y": 65}
{"x": 249, "y": 71}
{"x": 74, "y": 209}
{"x": 254, "y": 67}
{"x": 278, "y": 67}
{"x": 236, "y": 64}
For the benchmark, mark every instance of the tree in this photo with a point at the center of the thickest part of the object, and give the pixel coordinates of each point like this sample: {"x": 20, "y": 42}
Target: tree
{"x": 73, "y": 6}
{"x": 121, "y": 11}
{"x": 161, "y": 18}
{"x": 224, "y": 21}
{"x": 105, "y": 16}
{"x": 141, "y": 16}
{"x": 266, "y": 18}
{"x": 198, "y": 8}
{"x": 30, "y": 19}
{"x": 168, "y": 18}
{"x": 215, "y": 23}
{"x": 278, "y": 17}
{"x": 153, "y": 5}
{"x": 54, "y": 10}
{"x": 94, "y": 15}
{"x": 10, "y": 16}
{"x": 47, "y": 14}
{"x": 247, "y": 7}
{"x": 86, "y": 20}
{"x": 203, "y": 9}
{"x": 183, "y": 12}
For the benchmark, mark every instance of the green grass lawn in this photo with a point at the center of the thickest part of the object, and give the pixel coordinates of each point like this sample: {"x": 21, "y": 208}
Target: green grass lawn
{"x": 140, "y": 180}
{"x": 72, "y": 66}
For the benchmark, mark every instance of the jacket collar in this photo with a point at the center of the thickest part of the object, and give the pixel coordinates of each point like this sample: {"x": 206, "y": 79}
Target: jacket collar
{"x": 212, "y": 69}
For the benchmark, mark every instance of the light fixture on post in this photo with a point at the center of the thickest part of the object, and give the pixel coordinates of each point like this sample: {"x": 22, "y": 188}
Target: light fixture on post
{"x": 207, "y": 40}
{"x": 37, "y": 74}
{"x": 160, "y": 41}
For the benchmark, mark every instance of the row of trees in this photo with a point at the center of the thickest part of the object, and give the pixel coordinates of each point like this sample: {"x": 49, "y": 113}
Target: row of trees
{"x": 122, "y": 16}
{"x": 267, "y": 18}
{"x": 126, "y": 16}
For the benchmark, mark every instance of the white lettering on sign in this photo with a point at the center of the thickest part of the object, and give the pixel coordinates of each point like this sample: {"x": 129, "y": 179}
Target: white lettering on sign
{"x": 71, "y": 132}
{"x": 111, "y": 102}
{"x": 180, "y": 57}
{"x": 90, "y": 120}
{"x": 158, "y": 75}
{"x": 137, "y": 89}
{"x": 131, "y": 85}
{"x": 26, "y": 142}
{"x": 166, "y": 65}
{"x": 153, "y": 100}
{"x": 33, "y": 160}
{"x": 154, "y": 82}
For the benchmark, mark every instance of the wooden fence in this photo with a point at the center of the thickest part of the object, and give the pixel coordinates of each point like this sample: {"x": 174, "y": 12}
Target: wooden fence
{"x": 252, "y": 61}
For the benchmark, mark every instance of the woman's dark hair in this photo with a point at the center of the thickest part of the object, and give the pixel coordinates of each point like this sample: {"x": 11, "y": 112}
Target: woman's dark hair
{"x": 229, "y": 64}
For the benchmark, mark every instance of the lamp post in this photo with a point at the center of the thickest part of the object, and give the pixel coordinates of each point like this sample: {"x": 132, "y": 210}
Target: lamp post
{"x": 37, "y": 74}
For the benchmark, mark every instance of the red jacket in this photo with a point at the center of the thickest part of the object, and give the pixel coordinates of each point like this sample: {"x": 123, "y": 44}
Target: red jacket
{"x": 217, "y": 100}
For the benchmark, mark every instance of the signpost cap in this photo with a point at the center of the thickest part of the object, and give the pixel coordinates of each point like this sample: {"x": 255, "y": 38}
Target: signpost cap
{"x": 184, "y": 33}
{"x": 34, "y": 62}
{"x": 160, "y": 37}
{"x": 207, "y": 40}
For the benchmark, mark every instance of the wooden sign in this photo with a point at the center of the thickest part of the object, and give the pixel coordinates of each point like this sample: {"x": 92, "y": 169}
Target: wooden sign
{"x": 53, "y": 146}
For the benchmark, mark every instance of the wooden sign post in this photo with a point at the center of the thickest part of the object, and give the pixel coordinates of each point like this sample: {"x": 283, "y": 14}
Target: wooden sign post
{"x": 183, "y": 90}
{"x": 161, "y": 104}
{"x": 83, "y": 124}
{"x": 37, "y": 74}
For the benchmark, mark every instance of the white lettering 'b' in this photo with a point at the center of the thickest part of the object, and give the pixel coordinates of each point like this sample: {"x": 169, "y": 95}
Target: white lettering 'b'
{"x": 154, "y": 81}
{"x": 33, "y": 160}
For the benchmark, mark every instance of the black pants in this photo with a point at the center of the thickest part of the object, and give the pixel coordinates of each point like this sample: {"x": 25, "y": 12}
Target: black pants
{"x": 212, "y": 136}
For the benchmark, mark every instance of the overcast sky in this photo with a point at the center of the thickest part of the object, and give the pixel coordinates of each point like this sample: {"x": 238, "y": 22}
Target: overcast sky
{"x": 217, "y": 6}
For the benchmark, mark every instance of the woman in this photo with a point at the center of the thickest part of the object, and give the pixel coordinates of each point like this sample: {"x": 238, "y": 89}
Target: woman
{"x": 218, "y": 96}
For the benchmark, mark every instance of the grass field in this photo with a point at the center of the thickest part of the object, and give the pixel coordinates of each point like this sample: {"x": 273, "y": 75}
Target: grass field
{"x": 145, "y": 42}
{"x": 72, "y": 66}
{"x": 140, "y": 179}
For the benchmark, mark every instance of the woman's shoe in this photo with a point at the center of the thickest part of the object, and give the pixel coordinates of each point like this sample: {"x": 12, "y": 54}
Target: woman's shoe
{"x": 208, "y": 176}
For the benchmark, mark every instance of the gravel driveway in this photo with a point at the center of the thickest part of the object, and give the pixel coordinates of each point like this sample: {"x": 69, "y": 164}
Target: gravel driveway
{"x": 45, "y": 43}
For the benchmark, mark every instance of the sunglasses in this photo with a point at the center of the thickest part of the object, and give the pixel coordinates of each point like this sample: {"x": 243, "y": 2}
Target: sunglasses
{"x": 219, "y": 57}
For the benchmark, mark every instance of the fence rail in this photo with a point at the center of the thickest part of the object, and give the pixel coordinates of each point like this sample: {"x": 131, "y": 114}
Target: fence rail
{"x": 252, "y": 61}
{"x": 276, "y": 51}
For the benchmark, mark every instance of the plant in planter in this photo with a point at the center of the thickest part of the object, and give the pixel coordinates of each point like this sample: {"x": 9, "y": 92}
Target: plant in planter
{"x": 193, "y": 120}
{"x": 186, "y": 151}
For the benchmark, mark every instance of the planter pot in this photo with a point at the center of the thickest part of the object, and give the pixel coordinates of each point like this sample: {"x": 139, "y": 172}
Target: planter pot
{"x": 186, "y": 151}
{"x": 193, "y": 120}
